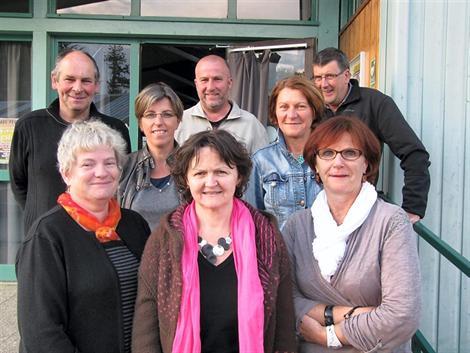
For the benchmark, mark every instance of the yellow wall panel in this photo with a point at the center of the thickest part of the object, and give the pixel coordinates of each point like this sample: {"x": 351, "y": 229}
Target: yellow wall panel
{"x": 361, "y": 33}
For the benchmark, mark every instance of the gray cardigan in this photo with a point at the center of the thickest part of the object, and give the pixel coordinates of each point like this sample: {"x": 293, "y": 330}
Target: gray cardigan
{"x": 135, "y": 180}
{"x": 380, "y": 268}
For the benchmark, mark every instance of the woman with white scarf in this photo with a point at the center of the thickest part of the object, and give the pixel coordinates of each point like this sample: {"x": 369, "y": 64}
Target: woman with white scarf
{"x": 354, "y": 256}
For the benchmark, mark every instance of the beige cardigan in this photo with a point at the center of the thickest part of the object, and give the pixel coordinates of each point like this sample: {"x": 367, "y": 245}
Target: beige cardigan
{"x": 380, "y": 268}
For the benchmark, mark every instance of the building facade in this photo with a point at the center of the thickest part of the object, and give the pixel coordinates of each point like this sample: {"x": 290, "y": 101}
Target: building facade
{"x": 415, "y": 51}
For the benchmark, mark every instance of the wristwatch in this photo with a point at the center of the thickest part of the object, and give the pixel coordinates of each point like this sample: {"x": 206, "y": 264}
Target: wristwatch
{"x": 329, "y": 315}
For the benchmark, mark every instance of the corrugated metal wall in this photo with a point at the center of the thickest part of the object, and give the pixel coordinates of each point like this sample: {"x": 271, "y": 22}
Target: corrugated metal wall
{"x": 425, "y": 67}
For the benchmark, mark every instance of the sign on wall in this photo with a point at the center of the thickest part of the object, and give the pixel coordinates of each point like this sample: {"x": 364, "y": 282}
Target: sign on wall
{"x": 7, "y": 125}
{"x": 358, "y": 67}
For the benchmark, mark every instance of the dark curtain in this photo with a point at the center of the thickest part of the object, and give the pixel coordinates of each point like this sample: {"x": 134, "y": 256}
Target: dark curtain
{"x": 15, "y": 99}
{"x": 250, "y": 73}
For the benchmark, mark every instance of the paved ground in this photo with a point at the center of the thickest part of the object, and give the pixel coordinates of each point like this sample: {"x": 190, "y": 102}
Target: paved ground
{"x": 9, "y": 337}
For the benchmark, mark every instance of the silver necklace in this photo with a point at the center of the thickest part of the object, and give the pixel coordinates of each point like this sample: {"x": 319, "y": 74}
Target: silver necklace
{"x": 211, "y": 252}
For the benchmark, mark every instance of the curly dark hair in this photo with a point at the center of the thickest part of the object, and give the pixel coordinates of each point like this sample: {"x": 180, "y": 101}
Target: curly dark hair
{"x": 233, "y": 153}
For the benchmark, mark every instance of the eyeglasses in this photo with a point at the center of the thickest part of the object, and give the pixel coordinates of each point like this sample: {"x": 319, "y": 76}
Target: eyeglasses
{"x": 328, "y": 77}
{"x": 163, "y": 115}
{"x": 349, "y": 154}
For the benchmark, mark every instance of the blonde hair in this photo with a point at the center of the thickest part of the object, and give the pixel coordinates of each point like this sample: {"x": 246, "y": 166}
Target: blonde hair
{"x": 152, "y": 94}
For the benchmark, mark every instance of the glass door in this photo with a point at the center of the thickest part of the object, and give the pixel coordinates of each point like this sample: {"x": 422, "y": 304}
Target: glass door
{"x": 257, "y": 66}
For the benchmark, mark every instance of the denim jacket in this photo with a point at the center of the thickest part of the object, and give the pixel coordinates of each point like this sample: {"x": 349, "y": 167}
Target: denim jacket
{"x": 280, "y": 184}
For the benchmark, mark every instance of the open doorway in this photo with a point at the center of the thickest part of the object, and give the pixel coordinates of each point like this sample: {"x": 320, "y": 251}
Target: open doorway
{"x": 255, "y": 68}
{"x": 174, "y": 65}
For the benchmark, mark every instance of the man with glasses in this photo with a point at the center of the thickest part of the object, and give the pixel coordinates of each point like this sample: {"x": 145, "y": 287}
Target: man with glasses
{"x": 343, "y": 96}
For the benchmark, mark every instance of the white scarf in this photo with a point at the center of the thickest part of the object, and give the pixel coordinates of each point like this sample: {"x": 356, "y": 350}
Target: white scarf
{"x": 330, "y": 242}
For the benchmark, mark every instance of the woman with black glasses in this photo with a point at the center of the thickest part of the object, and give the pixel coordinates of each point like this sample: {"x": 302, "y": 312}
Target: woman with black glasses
{"x": 354, "y": 257}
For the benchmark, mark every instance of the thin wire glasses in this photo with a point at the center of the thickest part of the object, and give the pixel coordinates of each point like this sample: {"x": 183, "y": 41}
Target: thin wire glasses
{"x": 317, "y": 79}
{"x": 164, "y": 115}
{"x": 349, "y": 154}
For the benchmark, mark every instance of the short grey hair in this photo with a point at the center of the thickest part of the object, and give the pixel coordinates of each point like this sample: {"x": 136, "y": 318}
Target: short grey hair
{"x": 87, "y": 136}
{"x": 62, "y": 55}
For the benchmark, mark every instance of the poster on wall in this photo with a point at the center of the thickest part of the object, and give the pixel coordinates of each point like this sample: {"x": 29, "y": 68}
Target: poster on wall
{"x": 358, "y": 67}
{"x": 372, "y": 74}
{"x": 7, "y": 125}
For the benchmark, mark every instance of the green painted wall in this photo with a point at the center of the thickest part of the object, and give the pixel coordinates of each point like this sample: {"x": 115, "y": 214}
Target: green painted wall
{"x": 44, "y": 29}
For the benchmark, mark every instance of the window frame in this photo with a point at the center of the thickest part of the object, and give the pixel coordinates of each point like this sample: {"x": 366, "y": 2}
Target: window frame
{"x": 4, "y": 173}
{"x": 231, "y": 16}
{"x": 7, "y": 271}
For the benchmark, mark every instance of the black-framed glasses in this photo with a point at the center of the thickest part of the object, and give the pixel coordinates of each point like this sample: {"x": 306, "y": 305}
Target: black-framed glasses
{"x": 163, "y": 115}
{"x": 349, "y": 154}
{"x": 328, "y": 77}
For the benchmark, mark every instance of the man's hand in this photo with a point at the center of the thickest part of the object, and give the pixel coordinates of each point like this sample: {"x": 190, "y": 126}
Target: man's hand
{"x": 413, "y": 217}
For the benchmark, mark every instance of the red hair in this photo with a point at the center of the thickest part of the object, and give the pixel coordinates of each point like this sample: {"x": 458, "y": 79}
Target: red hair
{"x": 331, "y": 130}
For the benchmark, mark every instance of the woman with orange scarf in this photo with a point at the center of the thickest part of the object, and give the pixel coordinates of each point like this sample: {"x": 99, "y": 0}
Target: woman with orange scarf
{"x": 77, "y": 267}
{"x": 215, "y": 274}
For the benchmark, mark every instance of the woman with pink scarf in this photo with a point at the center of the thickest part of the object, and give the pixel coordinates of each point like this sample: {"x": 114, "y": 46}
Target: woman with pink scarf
{"x": 214, "y": 275}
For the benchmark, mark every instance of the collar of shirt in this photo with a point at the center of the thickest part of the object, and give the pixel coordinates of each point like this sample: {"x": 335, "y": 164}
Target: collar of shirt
{"x": 216, "y": 124}
{"x": 344, "y": 99}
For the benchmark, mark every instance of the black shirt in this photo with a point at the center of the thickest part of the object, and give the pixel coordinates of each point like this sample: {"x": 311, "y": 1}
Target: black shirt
{"x": 216, "y": 124}
{"x": 219, "y": 304}
{"x": 160, "y": 183}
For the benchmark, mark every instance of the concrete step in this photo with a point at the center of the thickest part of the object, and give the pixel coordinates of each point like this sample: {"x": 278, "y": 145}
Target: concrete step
{"x": 9, "y": 337}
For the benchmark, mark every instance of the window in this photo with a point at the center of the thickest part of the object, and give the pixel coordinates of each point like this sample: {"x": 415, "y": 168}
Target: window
{"x": 274, "y": 9}
{"x": 15, "y": 101}
{"x": 15, "y": 91}
{"x": 185, "y": 8}
{"x": 94, "y": 7}
{"x": 18, "y": 6}
{"x": 113, "y": 62}
{"x": 288, "y": 63}
{"x": 214, "y": 9}
{"x": 348, "y": 9}
{"x": 11, "y": 225}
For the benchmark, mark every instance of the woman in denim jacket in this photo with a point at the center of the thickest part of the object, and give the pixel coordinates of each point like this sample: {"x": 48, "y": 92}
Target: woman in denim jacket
{"x": 146, "y": 185}
{"x": 281, "y": 181}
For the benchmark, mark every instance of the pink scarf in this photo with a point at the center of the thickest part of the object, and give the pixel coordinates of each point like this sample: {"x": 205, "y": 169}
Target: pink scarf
{"x": 250, "y": 293}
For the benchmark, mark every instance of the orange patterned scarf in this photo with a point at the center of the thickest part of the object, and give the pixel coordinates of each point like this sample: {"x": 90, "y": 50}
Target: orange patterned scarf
{"x": 105, "y": 231}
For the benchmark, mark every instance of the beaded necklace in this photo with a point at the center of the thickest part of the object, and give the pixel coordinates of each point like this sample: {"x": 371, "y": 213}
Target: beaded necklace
{"x": 211, "y": 252}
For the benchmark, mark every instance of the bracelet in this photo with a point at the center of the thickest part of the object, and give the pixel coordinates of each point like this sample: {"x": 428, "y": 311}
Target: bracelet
{"x": 332, "y": 341}
{"x": 350, "y": 312}
{"x": 328, "y": 314}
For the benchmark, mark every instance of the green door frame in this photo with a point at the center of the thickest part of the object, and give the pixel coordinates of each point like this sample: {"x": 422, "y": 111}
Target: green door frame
{"x": 45, "y": 29}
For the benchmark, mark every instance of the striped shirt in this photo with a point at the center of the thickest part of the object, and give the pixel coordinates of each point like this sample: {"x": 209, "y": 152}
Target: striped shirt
{"x": 126, "y": 266}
